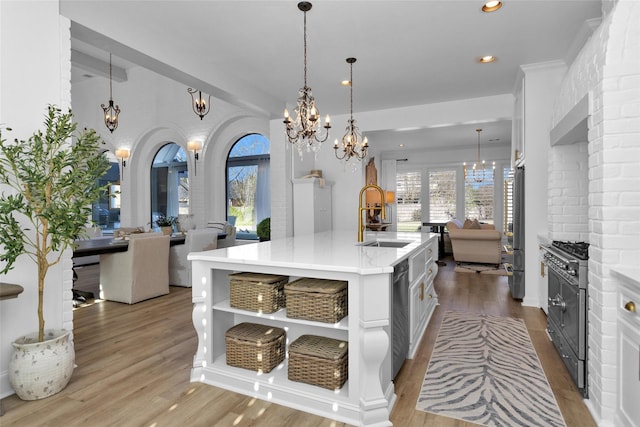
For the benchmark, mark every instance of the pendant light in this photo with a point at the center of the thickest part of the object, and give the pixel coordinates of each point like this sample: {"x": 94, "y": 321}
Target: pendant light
{"x": 478, "y": 176}
{"x": 352, "y": 143}
{"x": 200, "y": 106}
{"x": 303, "y": 132}
{"x": 111, "y": 112}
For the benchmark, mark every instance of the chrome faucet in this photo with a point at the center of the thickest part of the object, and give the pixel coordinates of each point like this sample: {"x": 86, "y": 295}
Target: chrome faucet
{"x": 361, "y": 225}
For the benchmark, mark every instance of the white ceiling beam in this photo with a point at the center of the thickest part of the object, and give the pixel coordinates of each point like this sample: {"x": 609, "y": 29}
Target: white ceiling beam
{"x": 97, "y": 66}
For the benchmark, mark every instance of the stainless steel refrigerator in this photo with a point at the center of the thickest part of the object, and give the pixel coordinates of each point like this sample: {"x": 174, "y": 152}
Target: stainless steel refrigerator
{"x": 516, "y": 280}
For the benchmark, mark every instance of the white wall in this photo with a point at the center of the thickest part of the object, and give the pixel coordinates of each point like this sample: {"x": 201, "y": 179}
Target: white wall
{"x": 541, "y": 83}
{"x": 34, "y": 71}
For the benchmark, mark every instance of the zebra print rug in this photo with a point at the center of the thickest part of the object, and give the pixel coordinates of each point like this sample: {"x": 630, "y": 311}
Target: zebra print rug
{"x": 484, "y": 369}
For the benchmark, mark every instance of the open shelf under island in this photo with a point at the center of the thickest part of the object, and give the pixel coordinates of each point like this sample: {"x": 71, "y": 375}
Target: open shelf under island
{"x": 366, "y": 399}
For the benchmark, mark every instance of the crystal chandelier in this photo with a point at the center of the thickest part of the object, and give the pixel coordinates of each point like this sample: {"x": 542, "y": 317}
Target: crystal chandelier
{"x": 352, "y": 143}
{"x": 478, "y": 176}
{"x": 304, "y": 130}
{"x": 110, "y": 112}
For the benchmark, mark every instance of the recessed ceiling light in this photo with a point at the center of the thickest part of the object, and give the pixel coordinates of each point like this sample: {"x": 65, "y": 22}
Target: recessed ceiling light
{"x": 345, "y": 83}
{"x": 487, "y": 59}
{"x": 491, "y": 6}
{"x": 401, "y": 145}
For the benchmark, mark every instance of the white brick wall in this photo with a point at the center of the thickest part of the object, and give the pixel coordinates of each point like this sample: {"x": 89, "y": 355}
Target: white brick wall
{"x": 65, "y": 102}
{"x": 608, "y": 72}
{"x": 568, "y": 192}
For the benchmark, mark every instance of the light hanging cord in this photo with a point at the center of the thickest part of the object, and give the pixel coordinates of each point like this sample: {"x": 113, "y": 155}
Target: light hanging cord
{"x": 111, "y": 112}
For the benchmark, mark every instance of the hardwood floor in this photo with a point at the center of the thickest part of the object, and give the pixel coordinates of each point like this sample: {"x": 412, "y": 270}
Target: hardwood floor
{"x": 133, "y": 367}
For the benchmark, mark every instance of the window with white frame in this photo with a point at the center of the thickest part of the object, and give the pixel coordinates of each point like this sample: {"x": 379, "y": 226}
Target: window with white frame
{"x": 442, "y": 195}
{"x": 478, "y": 195}
{"x": 408, "y": 200}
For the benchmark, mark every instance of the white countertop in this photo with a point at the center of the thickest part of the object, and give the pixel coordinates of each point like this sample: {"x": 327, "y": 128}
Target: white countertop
{"x": 330, "y": 251}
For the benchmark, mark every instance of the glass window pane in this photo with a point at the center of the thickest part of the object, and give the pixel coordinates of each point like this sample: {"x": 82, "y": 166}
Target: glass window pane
{"x": 248, "y": 189}
{"x": 242, "y": 196}
{"x": 250, "y": 145}
{"x": 478, "y": 195}
{"x": 442, "y": 195}
{"x": 106, "y": 210}
{"x": 408, "y": 199}
{"x": 169, "y": 182}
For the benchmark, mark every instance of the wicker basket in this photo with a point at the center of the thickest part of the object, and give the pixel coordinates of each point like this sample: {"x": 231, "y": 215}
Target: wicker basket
{"x": 317, "y": 299}
{"x": 256, "y": 347}
{"x": 263, "y": 293}
{"x": 319, "y": 361}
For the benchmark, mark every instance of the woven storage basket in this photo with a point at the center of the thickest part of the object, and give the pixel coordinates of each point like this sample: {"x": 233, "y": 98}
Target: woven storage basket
{"x": 263, "y": 293}
{"x": 319, "y": 361}
{"x": 256, "y": 347}
{"x": 317, "y": 299}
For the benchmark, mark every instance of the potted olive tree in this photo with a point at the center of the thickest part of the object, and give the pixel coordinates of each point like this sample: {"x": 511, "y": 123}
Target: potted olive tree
{"x": 48, "y": 184}
{"x": 263, "y": 230}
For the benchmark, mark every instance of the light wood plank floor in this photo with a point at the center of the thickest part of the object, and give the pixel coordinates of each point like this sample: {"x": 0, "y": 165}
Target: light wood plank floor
{"x": 134, "y": 361}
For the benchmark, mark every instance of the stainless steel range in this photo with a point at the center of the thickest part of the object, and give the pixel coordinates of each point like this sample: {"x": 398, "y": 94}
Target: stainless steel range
{"x": 567, "y": 312}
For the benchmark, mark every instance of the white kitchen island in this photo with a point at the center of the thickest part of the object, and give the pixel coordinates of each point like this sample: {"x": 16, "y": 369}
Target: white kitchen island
{"x": 368, "y": 395}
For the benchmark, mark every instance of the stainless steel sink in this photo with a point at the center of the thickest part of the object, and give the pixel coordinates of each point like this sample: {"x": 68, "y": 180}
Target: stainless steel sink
{"x": 385, "y": 243}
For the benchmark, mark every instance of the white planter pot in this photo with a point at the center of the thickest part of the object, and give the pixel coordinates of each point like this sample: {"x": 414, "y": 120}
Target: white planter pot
{"x": 41, "y": 369}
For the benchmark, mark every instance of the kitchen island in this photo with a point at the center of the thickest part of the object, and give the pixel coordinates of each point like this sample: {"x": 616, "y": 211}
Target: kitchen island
{"x": 368, "y": 396}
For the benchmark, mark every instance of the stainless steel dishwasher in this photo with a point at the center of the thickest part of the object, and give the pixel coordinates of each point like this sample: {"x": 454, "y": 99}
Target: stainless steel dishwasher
{"x": 400, "y": 316}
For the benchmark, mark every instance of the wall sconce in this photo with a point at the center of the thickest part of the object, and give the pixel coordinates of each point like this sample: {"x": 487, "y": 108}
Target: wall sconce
{"x": 199, "y": 105}
{"x": 390, "y": 197}
{"x": 123, "y": 155}
{"x": 194, "y": 146}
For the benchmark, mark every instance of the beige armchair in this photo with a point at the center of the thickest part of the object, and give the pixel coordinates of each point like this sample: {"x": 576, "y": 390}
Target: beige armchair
{"x": 200, "y": 239}
{"x": 140, "y": 273}
{"x": 477, "y": 245}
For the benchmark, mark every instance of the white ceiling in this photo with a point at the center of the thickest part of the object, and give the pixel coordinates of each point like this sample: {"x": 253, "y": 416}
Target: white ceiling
{"x": 408, "y": 52}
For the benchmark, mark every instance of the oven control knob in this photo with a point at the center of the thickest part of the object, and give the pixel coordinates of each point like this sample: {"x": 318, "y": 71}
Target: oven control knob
{"x": 558, "y": 302}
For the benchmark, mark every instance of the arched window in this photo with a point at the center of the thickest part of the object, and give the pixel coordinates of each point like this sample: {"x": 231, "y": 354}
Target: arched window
{"x": 248, "y": 190}
{"x": 169, "y": 182}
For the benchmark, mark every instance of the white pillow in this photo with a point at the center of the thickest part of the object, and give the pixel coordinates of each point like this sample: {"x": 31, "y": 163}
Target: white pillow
{"x": 457, "y": 222}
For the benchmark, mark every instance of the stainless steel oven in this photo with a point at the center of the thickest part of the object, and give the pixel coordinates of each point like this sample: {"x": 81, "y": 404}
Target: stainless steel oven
{"x": 567, "y": 311}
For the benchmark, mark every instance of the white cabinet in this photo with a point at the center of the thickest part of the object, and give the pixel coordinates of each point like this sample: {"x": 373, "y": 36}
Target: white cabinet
{"x": 423, "y": 299}
{"x": 628, "y": 410}
{"x": 311, "y": 205}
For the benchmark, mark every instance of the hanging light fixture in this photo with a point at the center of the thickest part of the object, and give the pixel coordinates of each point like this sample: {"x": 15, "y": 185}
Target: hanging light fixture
{"x": 478, "y": 176}
{"x": 303, "y": 131}
{"x": 352, "y": 143}
{"x": 199, "y": 105}
{"x": 111, "y": 112}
